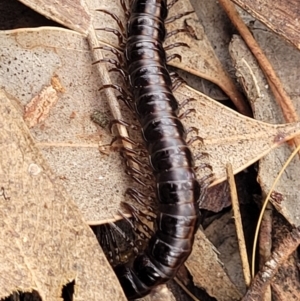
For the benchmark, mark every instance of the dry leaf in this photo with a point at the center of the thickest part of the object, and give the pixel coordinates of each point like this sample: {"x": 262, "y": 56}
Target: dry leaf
{"x": 207, "y": 271}
{"x": 199, "y": 58}
{"x": 69, "y": 139}
{"x": 45, "y": 242}
{"x": 265, "y": 108}
{"x": 280, "y": 16}
{"x": 229, "y": 137}
{"x": 74, "y": 14}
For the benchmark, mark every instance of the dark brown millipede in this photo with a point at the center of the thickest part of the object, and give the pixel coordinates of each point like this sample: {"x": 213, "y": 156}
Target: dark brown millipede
{"x": 176, "y": 187}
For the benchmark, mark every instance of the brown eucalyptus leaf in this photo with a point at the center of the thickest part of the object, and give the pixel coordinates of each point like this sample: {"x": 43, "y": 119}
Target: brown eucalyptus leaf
{"x": 208, "y": 272}
{"x": 69, "y": 139}
{"x": 45, "y": 242}
{"x": 285, "y": 60}
{"x": 282, "y": 17}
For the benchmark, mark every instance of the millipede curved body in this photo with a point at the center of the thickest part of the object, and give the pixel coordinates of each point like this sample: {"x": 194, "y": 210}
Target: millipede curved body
{"x": 177, "y": 188}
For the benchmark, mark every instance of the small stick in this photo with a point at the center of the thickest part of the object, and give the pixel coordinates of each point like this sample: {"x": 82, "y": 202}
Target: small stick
{"x": 239, "y": 225}
{"x": 279, "y": 256}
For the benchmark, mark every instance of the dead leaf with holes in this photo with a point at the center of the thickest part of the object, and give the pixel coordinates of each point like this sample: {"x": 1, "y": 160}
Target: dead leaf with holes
{"x": 45, "y": 242}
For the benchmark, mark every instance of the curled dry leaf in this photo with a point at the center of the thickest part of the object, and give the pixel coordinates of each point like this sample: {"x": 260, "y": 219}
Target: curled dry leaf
{"x": 45, "y": 242}
{"x": 69, "y": 139}
{"x": 266, "y": 109}
{"x": 280, "y": 16}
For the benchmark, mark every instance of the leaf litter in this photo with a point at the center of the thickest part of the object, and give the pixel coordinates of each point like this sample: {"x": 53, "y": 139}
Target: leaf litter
{"x": 45, "y": 242}
{"x": 285, "y": 131}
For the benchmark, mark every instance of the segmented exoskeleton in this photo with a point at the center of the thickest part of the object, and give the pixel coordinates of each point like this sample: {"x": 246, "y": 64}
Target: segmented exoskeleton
{"x": 177, "y": 189}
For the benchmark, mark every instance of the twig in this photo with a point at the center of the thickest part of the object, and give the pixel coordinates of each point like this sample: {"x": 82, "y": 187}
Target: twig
{"x": 186, "y": 289}
{"x": 239, "y": 226}
{"x": 111, "y": 98}
{"x": 266, "y": 202}
{"x": 279, "y": 93}
{"x": 279, "y": 256}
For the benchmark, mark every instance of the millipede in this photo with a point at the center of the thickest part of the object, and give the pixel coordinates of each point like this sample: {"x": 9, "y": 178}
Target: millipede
{"x": 176, "y": 187}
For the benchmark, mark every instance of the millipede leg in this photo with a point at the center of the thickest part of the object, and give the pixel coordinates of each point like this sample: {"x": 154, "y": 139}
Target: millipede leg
{"x": 176, "y": 31}
{"x": 148, "y": 217}
{"x": 186, "y": 101}
{"x": 173, "y": 56}
{"x": 177, "y": 44}
{"x": 170, "y": 5}
{"x": 193, "y": 139}
{"x": 119, "y": 35}
{"x": 141, "y": 152}
{"x": 179, "y": 16}
{"x": 192, "y": 129}
{"x": 125, "y": 155}
{"x": 111, "y": 61}
{"x": 131, "y": 171}
{"x": 121, "y": 71}
{"x": 136, "y": 213}
{"x": 186, "y": 113}
{"x": 127, "y": 102}
{"x": 139, "y": 181}
{"x": 112, "y": 50}
{"x": 116, "y": 87}
{"x": 201, "y": 156}
{"x": 203, "y": 166}
{"x": 206, "y": 180}
{"x": 125, "y": 9}
{"x": 115, "y": 17}
{"x": 123, "y": 234}
{"x": 177, "y": 83}
{"x": 125, "y": 139}
{"x": 121, "y": 122}
{"x": 139, "y": 197}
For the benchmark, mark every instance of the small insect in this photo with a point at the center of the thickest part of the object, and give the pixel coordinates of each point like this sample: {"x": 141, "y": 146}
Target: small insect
{"x": 176, "y": 187}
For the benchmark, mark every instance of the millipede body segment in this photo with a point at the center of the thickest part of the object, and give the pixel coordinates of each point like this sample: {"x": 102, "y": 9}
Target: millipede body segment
{"x": 177, "y": 189}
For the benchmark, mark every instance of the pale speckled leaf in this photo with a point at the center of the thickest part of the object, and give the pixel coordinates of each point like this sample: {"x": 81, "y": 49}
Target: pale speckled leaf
{"x": 45, "y": 242}
{"x": 285, "y": 60}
